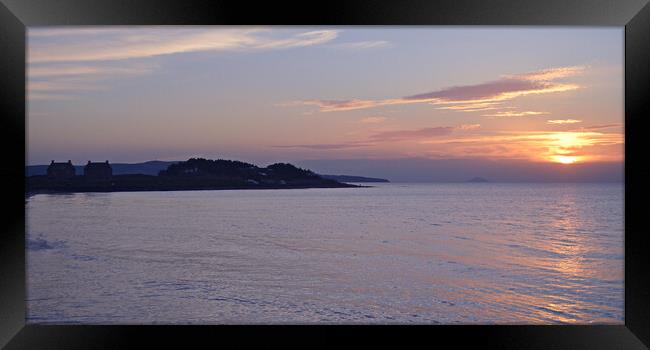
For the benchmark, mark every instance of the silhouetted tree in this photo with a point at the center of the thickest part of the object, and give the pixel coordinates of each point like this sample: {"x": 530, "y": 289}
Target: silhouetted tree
{"x": 208, "y": 167}
{"x": 288, "y": 171}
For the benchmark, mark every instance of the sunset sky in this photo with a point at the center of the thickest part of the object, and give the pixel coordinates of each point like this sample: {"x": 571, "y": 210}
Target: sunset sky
{"x": 131, "y": 94}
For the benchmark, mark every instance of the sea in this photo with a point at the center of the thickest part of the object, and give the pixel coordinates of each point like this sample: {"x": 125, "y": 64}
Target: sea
{"x": 393, "y": 253}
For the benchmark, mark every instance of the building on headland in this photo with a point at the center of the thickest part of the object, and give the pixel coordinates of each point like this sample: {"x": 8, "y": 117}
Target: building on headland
{"x": 60, "y": 171}
{"x": 98, "y": 171}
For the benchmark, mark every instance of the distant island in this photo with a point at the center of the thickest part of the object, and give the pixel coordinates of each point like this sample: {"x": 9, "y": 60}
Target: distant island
{"x": 193, "y": 174}
{"x": 477, "y": 179}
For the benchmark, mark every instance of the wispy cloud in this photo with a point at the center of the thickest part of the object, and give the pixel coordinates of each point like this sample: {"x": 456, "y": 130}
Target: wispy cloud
{"x": 121, "y": 44}
{"x": 474, "y": 107}
{"x": 71, "y": 79}
{"x": 72, "y": 70}
{"x": 470, "y": 96}
{"x": 49, "y": 97}
{"x": 601, "y": 126}
{"x": 563, "y": 121}
{"x": 468, "y": 126}
{"x": 387, "y": 136}
{"x": 362, "y": 45}
{"x": 400, "y": 135}
{"x": 514, "y": 114}
{"x": 550, "y": 74}
{"x": 373, "y": 120}
{"x": 46, "y": 86}
{"x": 76, "y": 60}
{"x": 327, "y": 146}
{"x": 499, "y": 90}
{"x": 337, "y": 105}
{"x": 570, "y": 122}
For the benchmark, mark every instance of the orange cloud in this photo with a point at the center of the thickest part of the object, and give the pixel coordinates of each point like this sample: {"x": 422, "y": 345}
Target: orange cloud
{"x": 564, "y": 147}
{"x": 339, "y": 105}
{"x": 373, "y": 120}
{"x": 473, "y": 107}
{"x": 563, "y": 121}
{"x": 551, "y": 73}
{"x": 554, "y": 146}
{"x": 479, "y": 95}
{"x": 500, "y": 90}
{"x": 468, "y": 126}
{"x": 601, "y": 126}
{"x": 514, "y": 114}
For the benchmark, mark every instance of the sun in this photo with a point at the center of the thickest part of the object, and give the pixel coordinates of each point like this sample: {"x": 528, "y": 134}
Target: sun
{"x": 565, "y": 159}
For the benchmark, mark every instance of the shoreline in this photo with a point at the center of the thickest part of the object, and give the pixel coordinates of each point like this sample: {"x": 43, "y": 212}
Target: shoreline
{"x": 32, "y": 193}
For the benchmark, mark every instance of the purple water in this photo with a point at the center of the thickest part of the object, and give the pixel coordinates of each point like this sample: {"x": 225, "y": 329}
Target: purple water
{"x": 395, "y": 253}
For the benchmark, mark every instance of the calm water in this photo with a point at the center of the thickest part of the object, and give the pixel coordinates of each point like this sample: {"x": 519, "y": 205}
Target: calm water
{"x": 395, "y": 253}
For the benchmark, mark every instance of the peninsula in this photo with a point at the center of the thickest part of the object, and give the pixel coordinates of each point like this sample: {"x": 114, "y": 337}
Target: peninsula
{"x": 193, "y": 174}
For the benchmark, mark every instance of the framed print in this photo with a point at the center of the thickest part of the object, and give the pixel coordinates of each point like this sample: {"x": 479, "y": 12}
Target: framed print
{"x": 461, "y": 171}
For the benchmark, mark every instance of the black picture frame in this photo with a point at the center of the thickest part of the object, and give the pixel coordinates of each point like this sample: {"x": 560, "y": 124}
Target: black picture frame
{"x": 16, "y": 15}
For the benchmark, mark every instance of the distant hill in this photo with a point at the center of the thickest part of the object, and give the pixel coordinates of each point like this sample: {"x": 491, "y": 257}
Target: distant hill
{"x": 477, "y": 179}
{"x": 348, "y": 178}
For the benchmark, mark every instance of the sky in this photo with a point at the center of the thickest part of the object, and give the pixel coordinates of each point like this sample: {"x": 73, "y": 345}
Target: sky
{"x": 328, "y": 96}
